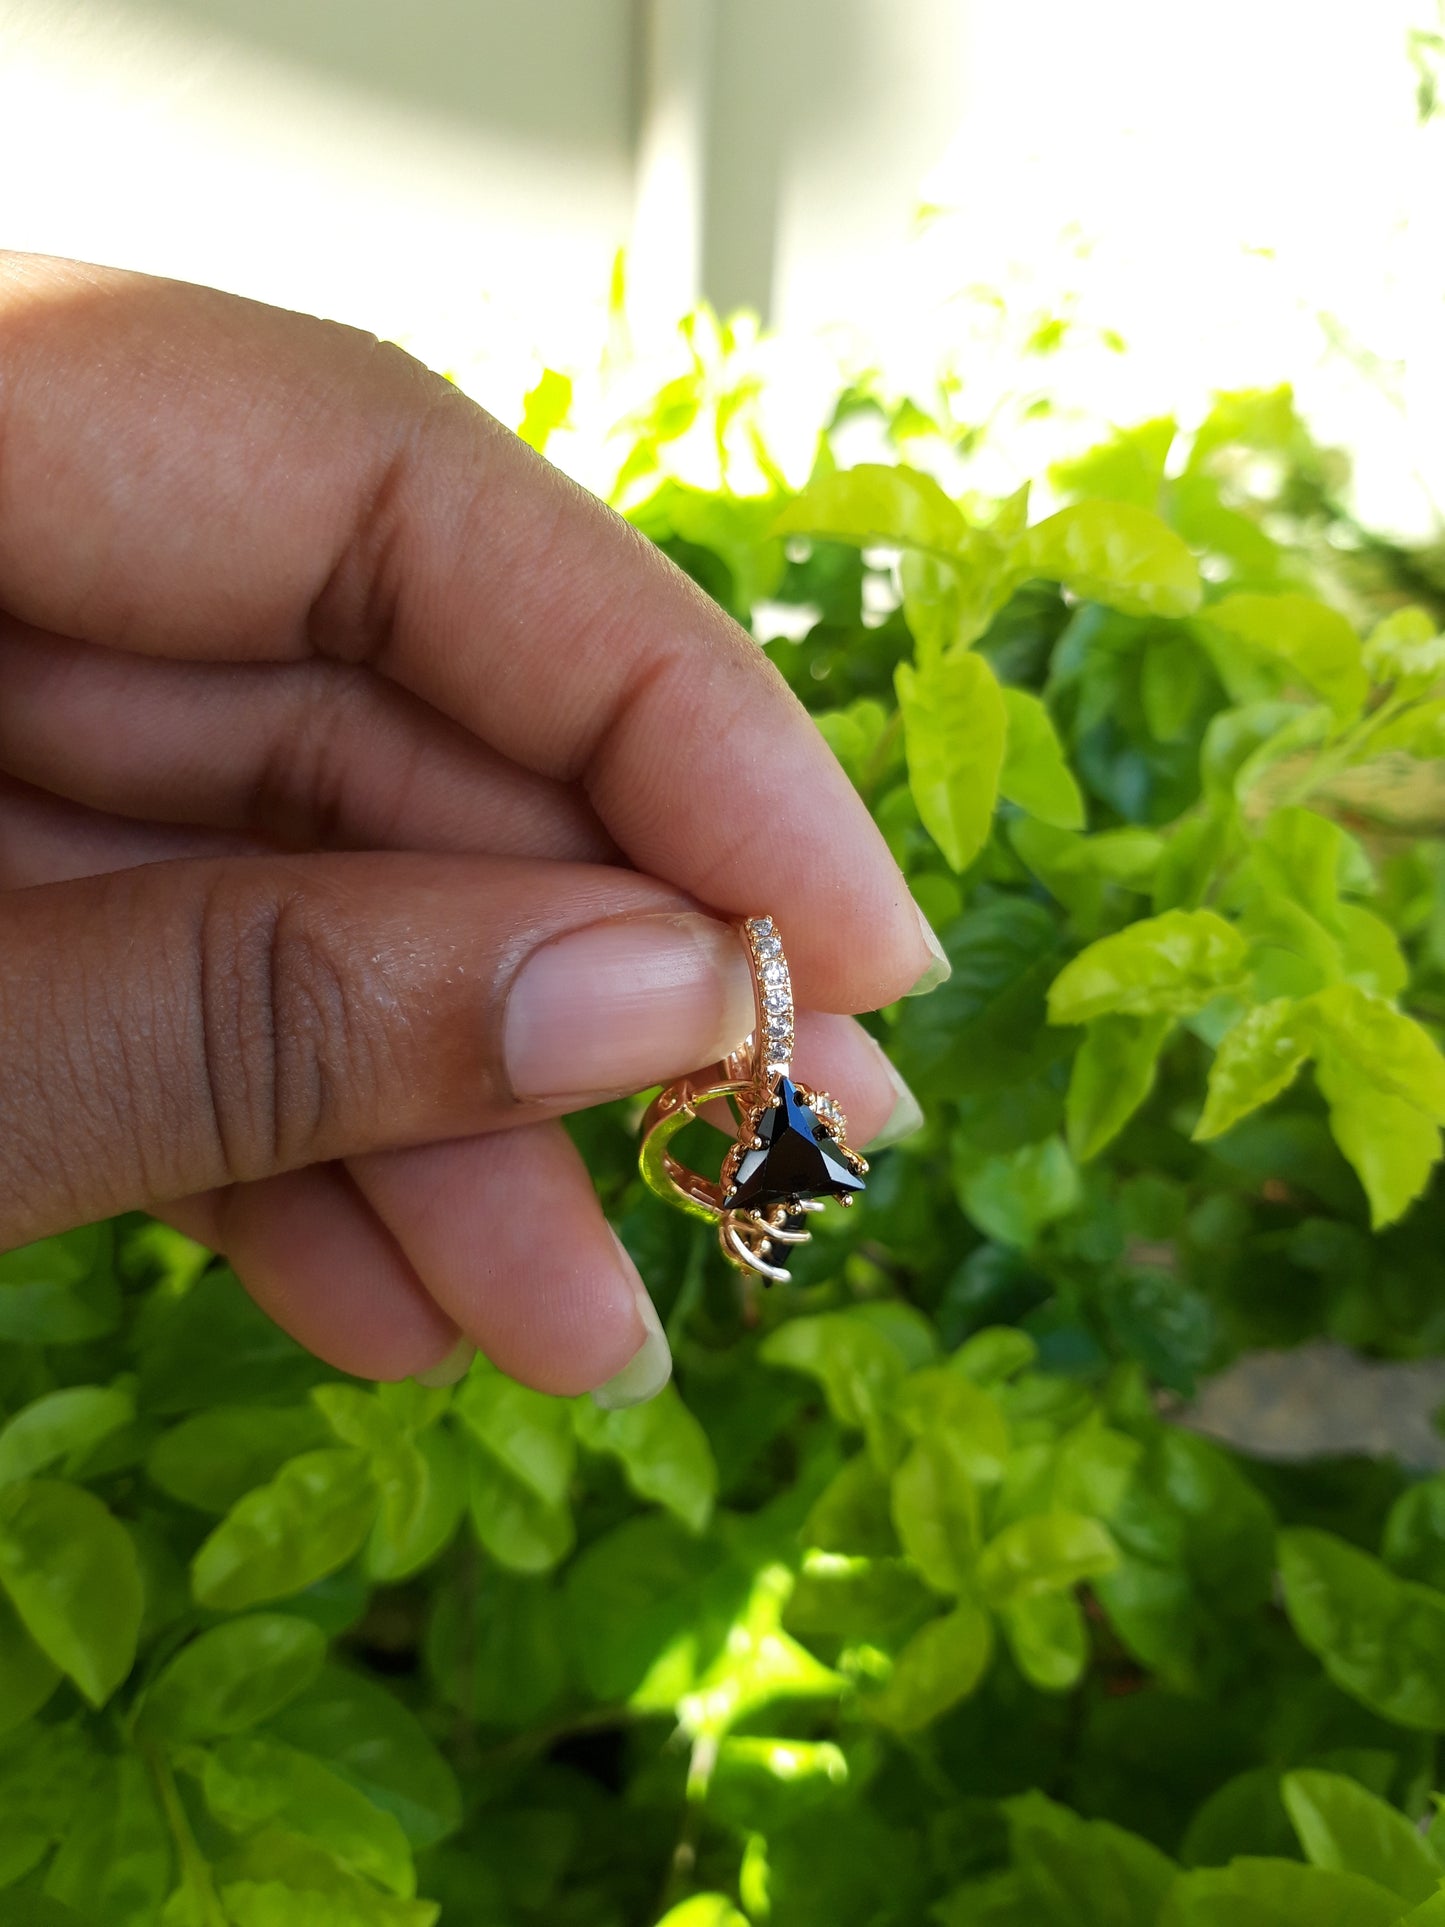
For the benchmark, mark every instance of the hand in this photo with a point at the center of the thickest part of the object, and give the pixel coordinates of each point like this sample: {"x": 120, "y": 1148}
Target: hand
{"x": 365, "y": 791}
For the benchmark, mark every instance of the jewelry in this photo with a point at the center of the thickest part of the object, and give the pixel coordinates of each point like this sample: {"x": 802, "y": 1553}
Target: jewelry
{"x": 790, "y": 1152}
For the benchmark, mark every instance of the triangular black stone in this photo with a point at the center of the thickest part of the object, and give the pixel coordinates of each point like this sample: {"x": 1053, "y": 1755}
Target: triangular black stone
{"x": 797, "y": 1158}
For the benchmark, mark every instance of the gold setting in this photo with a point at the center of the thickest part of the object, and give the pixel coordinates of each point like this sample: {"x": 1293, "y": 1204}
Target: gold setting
{"x": 751, "y": 1078}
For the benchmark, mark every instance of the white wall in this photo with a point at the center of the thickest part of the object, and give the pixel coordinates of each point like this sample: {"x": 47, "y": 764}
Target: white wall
{"x": 392, "y": 163}
{"x": 1205, "y": 180}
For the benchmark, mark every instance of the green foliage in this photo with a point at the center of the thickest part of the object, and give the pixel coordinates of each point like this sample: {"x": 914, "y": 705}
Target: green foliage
{"x": 907, "y": 1602}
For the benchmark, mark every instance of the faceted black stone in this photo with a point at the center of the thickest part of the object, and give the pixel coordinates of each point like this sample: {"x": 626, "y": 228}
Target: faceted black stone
{"x": 797, "y": 1158}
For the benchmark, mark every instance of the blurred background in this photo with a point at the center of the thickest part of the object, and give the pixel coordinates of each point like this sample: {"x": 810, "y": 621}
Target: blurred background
{"x": 1169, "y": 199}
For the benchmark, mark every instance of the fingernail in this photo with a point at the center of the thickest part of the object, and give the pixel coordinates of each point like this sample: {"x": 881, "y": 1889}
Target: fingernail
{"x": 650, "y": 1367}
{"x": 940, "y": 970}
{"x": 624, "y": 1004}
{"x": 449, "y": 1370}
{"x": 904, "y": 1119}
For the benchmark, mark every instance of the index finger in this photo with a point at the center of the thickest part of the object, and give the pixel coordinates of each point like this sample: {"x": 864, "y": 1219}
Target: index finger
{"x": 188, "y": 474}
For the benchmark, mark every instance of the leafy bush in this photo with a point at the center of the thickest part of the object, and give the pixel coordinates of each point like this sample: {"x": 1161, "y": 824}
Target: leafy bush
{"x": 910, "y": 1604}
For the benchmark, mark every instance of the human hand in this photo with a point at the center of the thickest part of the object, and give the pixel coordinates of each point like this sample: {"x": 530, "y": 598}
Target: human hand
{"x": 369, "y": 796}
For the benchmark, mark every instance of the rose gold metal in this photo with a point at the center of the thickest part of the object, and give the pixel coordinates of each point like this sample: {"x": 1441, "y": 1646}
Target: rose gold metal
{"x": 747, "y": 1077}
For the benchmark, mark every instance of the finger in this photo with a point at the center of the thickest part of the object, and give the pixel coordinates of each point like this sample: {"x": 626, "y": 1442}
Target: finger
{"x": 307, "y": 755}
{"x": 44, "y": 839}
{"x": 168, "y": 1029}
{"x": 508, "y": 1234}
{"x": 376, "y": 1265}
{"x": 189, "y": 474}
{"x": 837, "y": 1055}
{"x": 315, "y": 1256}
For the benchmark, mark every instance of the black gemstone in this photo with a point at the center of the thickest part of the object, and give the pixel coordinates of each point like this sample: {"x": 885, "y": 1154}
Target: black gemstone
{"x": 796, "y": 1159}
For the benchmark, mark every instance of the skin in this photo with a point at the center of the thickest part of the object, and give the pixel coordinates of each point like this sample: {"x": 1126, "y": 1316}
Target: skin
{"x": 323, "y": 702}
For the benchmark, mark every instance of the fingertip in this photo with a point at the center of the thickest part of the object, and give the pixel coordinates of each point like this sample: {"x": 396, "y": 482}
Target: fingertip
{"x": 317, "y": 1259}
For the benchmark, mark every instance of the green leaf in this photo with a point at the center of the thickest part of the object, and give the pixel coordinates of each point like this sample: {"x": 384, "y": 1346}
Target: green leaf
{"x": 984, "y": 1030}
{"x": 1379, "y": 1071}
{"x": 1035, "y": 774}
{"x": 1370, "y": 952}
{"x": 1048, "y": 1638}
{"x": 1112, "y": 1076}
{"x": 213, "y": 1459}
{"x": 856, "y": 1362}
{"x": 1172, "y": 964}
{"x": 329, "y": 1897}
{"x": 1309, "y": 859}
{"x": 1414, "y": 1536}
{"x": 936, "y": 1513}
{"x": 364, "y": 1733}
{"x": 954, "y": 728}
{"x": 941, "y": 1665}
{"x": 1048, "y": 1553}
{"x": 499, "y": 1655}
{"x": 1257, "y": 1058}
{"x": 114, "y": 1864}
{"x": 852, "y": 1512}
{"x": 998, "y": 1900}
{"x": 994, "y": 1355}
{"x": 650, "y": 1606}
{"x": 214, "y": 1345}
{"x": 868, "y": 1599}
{"x": 1085, "y": 1873}
{"x": 1391, "y": 1145}
{"x": 943, "y": 1402}
{"x": 520, "y": 1471}
{"x": 703, "y": 1910}
{"x": 1173, "y": 680}
{"x": 252, "y": 1780}
{"x": 662, "y": 1449}
{"x": 1013, "y": 1197}
{"x": 1381, "y": 1639}
{"x": 1406, "y": 647}
{"x": 755, "y": 1662}
{"x": 545, "y": 408}
{"x": 420, "y": 1483}
{"x": 27, "y": 1677}
{"x": 1383, "y": 1045}
{"x": 1128, "y": 467}
{"x": 1307, "y": 637}
{"x": 1081, "y": 870}
{"x": 45, "y": 1773}
{"x": 1419, "y": 732}
{"x": 420, "y": 1511}
{"x": 1114, "y": 553}
{"x": 521, "y": 1527}
{"x": 1276, "y": 1893}
{"x": 278, "y": 1540}
{"x": 61, "y": 1425}
{"x": 527, "y": 1433}
{"x": 74, "y": 1580}
{"x": 59, "y": 1291}
{"x": 232, "y": 1677}
{"x": 874, "y": 504}
{"x": 1197, "y": 1541}
{"x": 1343, "y": 1827}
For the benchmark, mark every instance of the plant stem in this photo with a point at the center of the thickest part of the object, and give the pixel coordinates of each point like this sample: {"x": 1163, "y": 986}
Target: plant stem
{"x": 195, "y": 1868}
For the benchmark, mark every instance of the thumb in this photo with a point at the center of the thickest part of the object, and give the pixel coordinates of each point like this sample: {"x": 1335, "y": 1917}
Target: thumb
{"x": 172, "y": 1028}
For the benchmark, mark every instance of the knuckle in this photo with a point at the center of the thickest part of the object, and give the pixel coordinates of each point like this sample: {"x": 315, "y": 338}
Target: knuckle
{"x": 292, "y": 1048}
{"x": 303, "y": 784}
